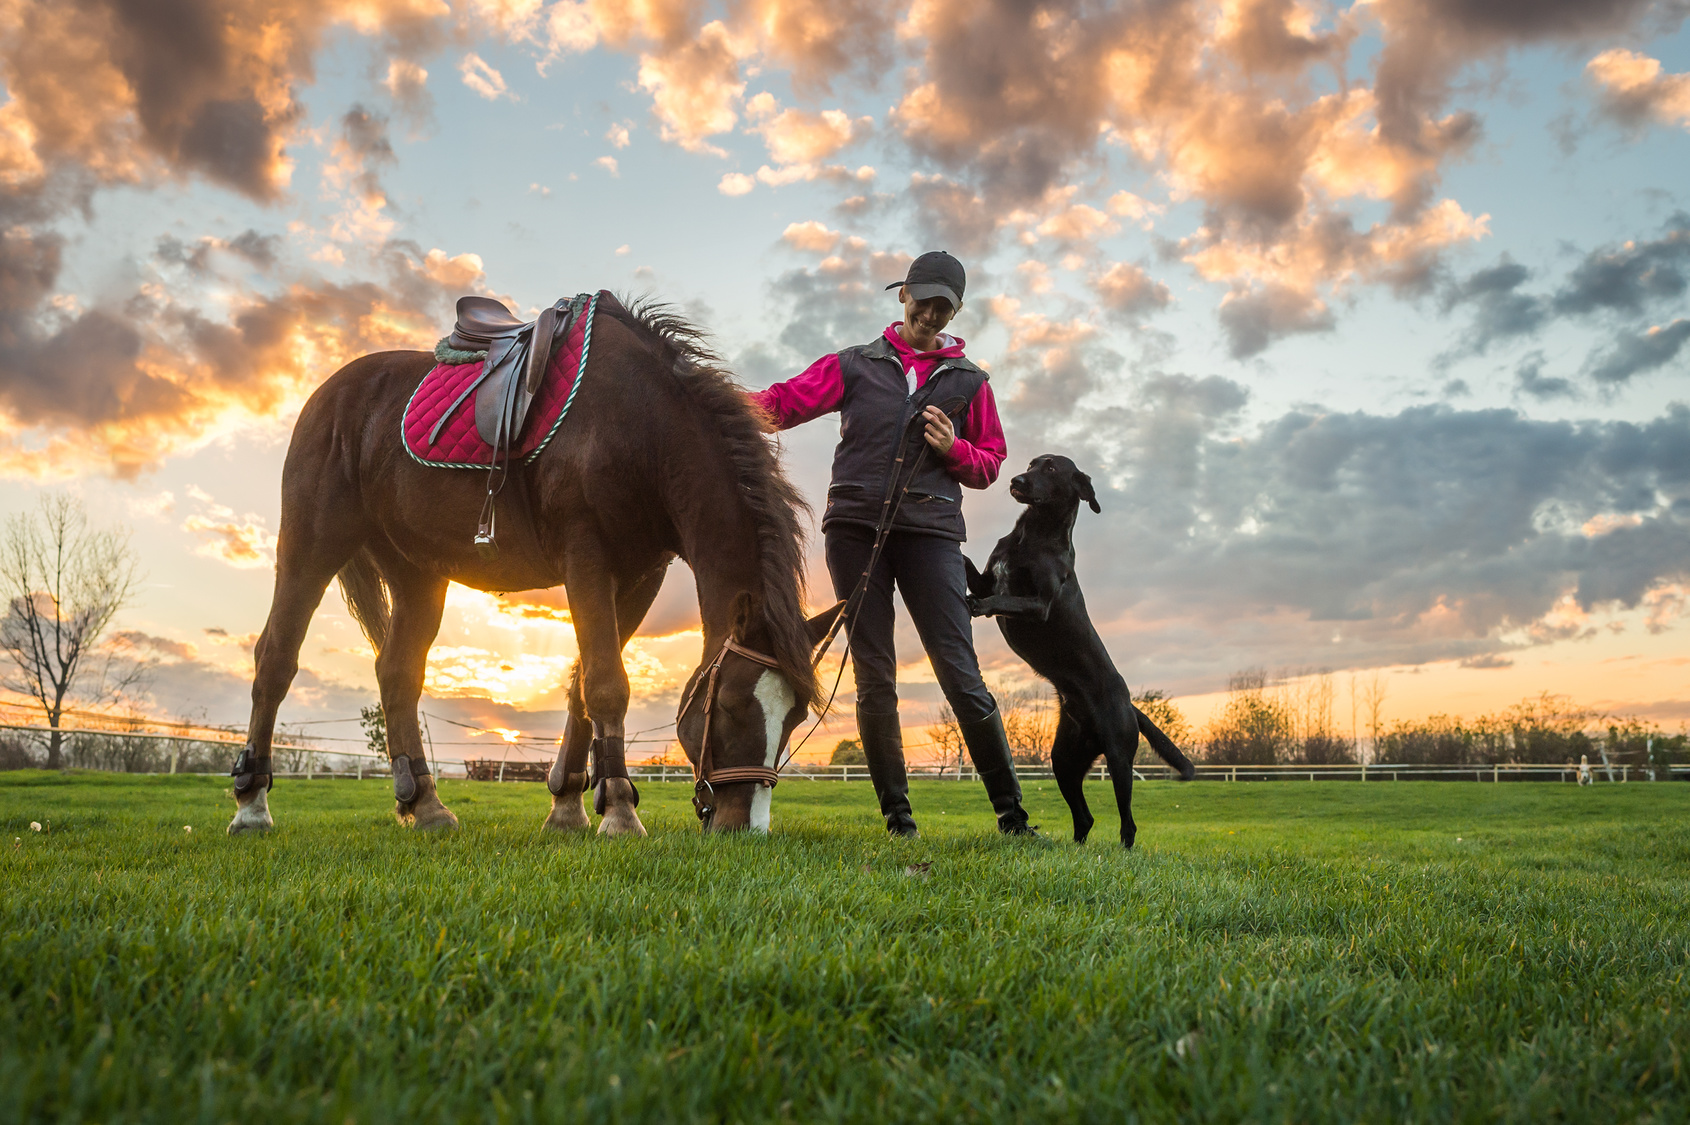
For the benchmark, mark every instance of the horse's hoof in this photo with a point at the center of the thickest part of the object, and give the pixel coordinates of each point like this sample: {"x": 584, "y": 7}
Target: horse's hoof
{"x": 620, "y": 817}
{"x": 1187, "y": 771}
{"x": 254, "y": 816}
{"x": 434, "y": 818}
{"x": 620, "y": 821}
{"x": 567, "y": 815}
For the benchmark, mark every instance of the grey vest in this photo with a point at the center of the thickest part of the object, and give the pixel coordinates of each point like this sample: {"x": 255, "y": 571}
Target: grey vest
{"x": 877, "y": 413}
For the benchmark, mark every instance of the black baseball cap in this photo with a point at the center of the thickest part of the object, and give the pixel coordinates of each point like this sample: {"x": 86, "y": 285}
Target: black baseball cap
{"x": 935, "y": 274}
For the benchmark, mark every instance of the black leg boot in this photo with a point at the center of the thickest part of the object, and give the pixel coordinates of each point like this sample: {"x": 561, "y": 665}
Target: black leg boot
{"x": 883, "y": 746}
{"x": 988, "y": 748}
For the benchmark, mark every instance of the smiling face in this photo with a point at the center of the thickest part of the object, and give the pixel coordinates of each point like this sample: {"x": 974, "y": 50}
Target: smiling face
{"x": 924, "y": 320}
{"x": 1053, "y": 479}
{"x": 753, "y": 714}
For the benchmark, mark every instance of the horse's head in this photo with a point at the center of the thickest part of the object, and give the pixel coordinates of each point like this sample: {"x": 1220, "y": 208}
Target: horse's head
{"x": 737, "y": 714}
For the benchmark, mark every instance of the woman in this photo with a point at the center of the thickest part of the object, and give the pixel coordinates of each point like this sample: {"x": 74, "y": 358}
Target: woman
{"x": 914, "y": 369}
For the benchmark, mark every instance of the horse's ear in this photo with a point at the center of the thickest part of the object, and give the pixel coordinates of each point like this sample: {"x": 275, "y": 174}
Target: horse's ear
{"x": 1086, "y": 492}
{"x": 742, "y": 614}
{"x": 819, "y": 625}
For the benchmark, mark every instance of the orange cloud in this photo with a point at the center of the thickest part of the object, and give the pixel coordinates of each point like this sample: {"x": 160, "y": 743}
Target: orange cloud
{"x": 1633, "y": 90}
{"x": 139, "y": 382}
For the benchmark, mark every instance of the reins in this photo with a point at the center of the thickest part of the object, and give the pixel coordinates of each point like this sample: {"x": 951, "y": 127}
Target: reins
{"x": 705, "y": 778}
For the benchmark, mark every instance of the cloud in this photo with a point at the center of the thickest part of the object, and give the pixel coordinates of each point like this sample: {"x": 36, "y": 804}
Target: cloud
{"x": 1500, "y": 310}
{"x": 842, "y": 297}
{"x": 1530, "y": 380}
{"x": 696, "y": 87}
{"x": 1128, "y": 291}
{"x": 1632, "y": 90}
{"x": 407, "y": 84}
{"x": 608, "y": 163}
{"x": 1631, "y": 277}
{"x": 1621, "y": 282}
{"x": 794, "y": 136}
{"x": 617, "y": 135}
{"x": 480, "y": 77}
{"x": 126, "y": 383}
{"x": 138, "y": 94}
{"x": 1254, "y": 318}
{"x": 360, "y": 150}
{"x": 1430, "y": 534}
{"x": 204, "y": 255}
{"x": 811, "y": 236}
{"x": 1630, "y": 354}
{"x": 137, "y": 641}
{"x": 736, "y": 183}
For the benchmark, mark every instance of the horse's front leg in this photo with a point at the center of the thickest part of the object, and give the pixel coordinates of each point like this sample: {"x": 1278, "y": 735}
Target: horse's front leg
{"x": 568, "y": 777}
{"x": 604, "y": 687}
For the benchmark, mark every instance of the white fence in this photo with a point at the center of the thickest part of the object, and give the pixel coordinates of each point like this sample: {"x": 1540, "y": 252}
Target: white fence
{"x": 358, "y": 764}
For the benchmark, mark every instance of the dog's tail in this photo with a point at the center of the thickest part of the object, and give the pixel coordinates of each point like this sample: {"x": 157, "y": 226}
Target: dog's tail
{"x": 1164, "y": 746}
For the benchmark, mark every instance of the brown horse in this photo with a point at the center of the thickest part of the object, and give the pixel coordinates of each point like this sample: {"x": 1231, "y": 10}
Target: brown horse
{"x": 661, "y": 456}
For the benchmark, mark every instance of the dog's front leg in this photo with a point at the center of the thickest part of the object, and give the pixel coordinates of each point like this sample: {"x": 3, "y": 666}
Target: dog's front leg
{"x": 1010, "y": 605}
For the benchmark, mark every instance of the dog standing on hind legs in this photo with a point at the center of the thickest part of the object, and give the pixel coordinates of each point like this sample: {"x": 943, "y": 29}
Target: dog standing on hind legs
{"x": 1030, "y": 587}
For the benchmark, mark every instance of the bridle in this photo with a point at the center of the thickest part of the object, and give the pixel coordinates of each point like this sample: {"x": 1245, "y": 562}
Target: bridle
{"x": 705, "y": 776}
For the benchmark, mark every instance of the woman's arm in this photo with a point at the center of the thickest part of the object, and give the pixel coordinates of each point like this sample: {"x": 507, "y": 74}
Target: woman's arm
{"x": 818, "y": 390}
{"x": 978, "y": 451}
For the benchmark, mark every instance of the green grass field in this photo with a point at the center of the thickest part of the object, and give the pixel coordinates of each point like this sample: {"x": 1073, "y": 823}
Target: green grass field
{"x": 1286, "y": 952}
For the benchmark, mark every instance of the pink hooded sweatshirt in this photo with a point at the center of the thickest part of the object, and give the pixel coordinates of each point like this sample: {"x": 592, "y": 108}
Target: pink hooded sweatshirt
{"x": 979, "y": 449}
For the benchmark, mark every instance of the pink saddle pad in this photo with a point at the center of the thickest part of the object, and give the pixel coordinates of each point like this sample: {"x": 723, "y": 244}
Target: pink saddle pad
{"x": 459, "y": 445}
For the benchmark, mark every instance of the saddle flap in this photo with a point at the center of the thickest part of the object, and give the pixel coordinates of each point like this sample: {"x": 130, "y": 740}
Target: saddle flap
{"x": 501, "y": 402}
{"x": 540, "y": 349}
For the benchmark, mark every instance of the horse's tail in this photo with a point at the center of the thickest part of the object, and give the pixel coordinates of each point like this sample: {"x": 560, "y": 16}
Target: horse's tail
{"x": 366, "y": 596}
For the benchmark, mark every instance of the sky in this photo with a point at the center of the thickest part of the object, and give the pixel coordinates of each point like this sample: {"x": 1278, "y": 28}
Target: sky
{"x": 1369, "y": 321}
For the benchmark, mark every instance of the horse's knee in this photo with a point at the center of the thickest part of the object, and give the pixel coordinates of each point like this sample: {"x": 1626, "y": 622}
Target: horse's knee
{"x": 606, "y": 697}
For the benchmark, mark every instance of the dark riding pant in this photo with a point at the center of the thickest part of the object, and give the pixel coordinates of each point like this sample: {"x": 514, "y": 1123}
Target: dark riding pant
{"x": 928, "y": 570}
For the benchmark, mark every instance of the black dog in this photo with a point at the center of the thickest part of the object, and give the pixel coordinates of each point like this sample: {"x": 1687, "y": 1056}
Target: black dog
{"x": 1030, "y": 587}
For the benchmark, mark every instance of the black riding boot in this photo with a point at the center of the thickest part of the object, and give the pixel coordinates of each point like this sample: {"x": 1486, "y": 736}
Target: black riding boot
{"x": 988, "y": 748}
{"x": 883, "y": 746}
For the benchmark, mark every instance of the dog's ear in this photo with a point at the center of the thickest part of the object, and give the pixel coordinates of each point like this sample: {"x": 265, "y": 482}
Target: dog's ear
{"x": 1086, "y": 492}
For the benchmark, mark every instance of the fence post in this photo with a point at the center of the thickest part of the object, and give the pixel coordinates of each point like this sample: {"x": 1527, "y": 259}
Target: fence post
{"x": 310, "y": 765}
{"x": 360, "y": 769}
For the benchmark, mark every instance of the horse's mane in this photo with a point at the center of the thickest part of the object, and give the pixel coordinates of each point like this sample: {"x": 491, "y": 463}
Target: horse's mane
{"x": 770, "y": 498}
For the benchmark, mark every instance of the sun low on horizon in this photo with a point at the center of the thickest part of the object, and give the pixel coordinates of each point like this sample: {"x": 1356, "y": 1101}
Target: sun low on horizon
{"x": 1370, "y": 321}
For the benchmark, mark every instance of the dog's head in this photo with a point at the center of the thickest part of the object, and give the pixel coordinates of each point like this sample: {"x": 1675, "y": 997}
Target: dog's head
{"x": 1053, "y": 479}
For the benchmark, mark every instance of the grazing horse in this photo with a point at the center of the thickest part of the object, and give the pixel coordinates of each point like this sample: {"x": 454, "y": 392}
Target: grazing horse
{"x": 661, "y": 456}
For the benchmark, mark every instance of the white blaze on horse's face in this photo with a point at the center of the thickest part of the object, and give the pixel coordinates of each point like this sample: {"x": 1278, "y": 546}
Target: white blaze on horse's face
{"x": 775, "y": 696}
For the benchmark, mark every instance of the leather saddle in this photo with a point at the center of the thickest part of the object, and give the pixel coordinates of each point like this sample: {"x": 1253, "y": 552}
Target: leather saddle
{"x": 518, "y": 353}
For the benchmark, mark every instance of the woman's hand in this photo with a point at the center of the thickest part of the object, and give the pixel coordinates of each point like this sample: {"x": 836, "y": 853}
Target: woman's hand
{"x": 939, "y": 433}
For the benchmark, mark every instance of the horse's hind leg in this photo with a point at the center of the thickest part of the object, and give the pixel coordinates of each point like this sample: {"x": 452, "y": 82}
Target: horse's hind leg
{"x": 568, "y": 777}
{"x": 1070, "y": 758}
{"x": 418, "y": 601}
{"x": 308, "y": 554}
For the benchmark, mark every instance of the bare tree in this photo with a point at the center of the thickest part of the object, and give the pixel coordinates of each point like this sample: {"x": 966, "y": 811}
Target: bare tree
{"x": 63, "y": 583}
{"x": 1373, "y": 694}
{"x": 946, "y": 734}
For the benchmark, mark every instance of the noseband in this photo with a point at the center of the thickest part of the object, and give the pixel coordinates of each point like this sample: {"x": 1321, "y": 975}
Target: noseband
{"x": 705, "y": 776}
